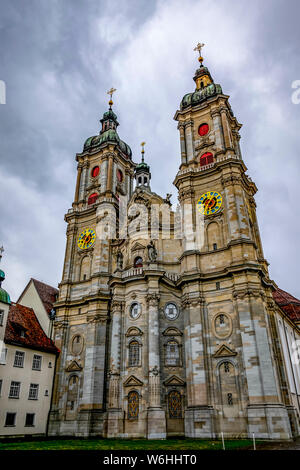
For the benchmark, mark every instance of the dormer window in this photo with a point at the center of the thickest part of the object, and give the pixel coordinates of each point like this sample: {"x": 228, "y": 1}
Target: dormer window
{"x": 92, "y": 198}
{"x": 138, "y": 262}
{"x": 206, "y": 158}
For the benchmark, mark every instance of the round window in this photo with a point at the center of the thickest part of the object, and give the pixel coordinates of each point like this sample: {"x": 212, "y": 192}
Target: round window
{"x": 92, "y": 198}
{"x": 135, "y": 310}
{"x": 171, "y": 311}
{"x": 95, "y": 171}
{"x": 77, "y": 344}
{"x": 203, "y": 129}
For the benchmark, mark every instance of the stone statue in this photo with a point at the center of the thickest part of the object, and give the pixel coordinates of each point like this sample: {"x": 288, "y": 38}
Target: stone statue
{"x": 167, "y": 200}
{"x": 119, "y": 260}
{"x": 152, "y": 252}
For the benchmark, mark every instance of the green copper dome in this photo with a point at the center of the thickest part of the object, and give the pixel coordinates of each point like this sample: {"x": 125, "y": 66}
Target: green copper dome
{"x": 108, "y": 134}
{"x": 192, "y": 99}
{"x": 142, "y": 166}
{"x": 4, "y": 296}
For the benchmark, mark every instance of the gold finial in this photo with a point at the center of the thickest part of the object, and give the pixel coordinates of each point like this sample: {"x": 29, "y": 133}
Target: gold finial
{"x": 143, "y": 150}
{"x": 199, "y": 48}
{"x": 1, "y": 251}
{"x": 111, "y": 92}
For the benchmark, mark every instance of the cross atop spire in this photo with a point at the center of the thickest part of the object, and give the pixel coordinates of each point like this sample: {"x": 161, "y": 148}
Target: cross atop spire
{"x": 143, "y": 150}
{"x": 199, "y": 49}
{"x": 111, "y": 92}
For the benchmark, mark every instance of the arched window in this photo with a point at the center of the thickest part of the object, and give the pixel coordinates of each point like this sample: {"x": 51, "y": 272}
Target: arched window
{"x": 119, "y": 176}
{"x": 172, "y": 354}
{"x": 145, "y": 180}
{"x": 206, "y": 158}
{"x": 85, "y": 268}
{"x": 175, "y": 404}
{"x": 92, "y": 198}
{"x": 133, "y": 405}
{"x": 138, "y": 262}
{"x": 134, "y": 354}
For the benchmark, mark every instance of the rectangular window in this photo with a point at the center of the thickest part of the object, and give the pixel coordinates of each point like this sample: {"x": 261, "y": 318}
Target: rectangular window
{"x": 0, "y": 387}
{"x": 14, "y": 391}
{"x": 3, "y": 355}
{"x": 10, "y": 419}
{"x": 33, "y": 392}
{"x": 215, "y": 246}
{"x": 37, "y": 362}
{"x": 1, "y": 317}
{"x": 19, "y": 359}
{"x": 29, "y": 419}
{"x": 217, "y": 286}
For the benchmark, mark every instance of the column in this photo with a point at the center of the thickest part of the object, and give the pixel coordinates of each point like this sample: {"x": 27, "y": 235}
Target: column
{"x": 182, "y": 143}
{"x": 114, "y": 418}
{"x": 78, "y": 182}
{"x": 83, "y": 180}
{"x": 267, "y": 417}
{"x": 198, "y": 410}
{"x": 226, "y": 132}
{"x": 109, "y": 174}
{"x": 156, "y": 416}
{"x": 91, "y": 405}
{"x": 218, "y": 131}
{"x": 189, "y": 141}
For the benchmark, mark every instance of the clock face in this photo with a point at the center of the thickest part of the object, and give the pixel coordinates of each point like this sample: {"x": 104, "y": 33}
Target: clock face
{"x": 86, "y": 239}
{"x": 209, "y": 203}
{"x": 171, "y": 311}
{"x": 135, "y": 310}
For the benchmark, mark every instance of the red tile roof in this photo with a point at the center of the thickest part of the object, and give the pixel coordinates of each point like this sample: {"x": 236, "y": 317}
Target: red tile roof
{"x": 289, "y": 304}
{"x": 47, "y": 294}
{"x": 20, "y": 319}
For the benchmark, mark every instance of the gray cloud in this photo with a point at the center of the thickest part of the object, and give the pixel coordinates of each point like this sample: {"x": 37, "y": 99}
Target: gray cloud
{"x": 58, "y": 59}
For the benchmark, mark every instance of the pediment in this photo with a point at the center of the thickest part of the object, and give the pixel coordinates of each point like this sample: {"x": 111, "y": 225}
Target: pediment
{"x": 73, "y": 366}
{"x": 132, "y": 381}
{"x": 137, "y": 246}
{"x": 174, "y": 380}
{"x": 224, "y": 351}
{"x": 134, "y": 331}
{"x": 172, "y": 331}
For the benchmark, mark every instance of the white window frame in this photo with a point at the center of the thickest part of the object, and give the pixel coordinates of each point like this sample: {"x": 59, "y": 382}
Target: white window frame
{"x": 1, "y": 317}
{"x": 3, "y": 355}
{"x": 34, "y": 360}
{"x": 14, "y": 389}
{"x": 19, "y": 359}
{"x": 33, "y": 392}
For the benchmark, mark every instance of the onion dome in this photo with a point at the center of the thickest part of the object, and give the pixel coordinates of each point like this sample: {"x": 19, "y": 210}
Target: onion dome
{"x": 205, "y": 86}
{"x": 4, "y": 296}
{"x": 108, "y": 133}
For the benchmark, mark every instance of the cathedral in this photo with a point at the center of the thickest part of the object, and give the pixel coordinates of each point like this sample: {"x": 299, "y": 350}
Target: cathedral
{"x": 167, "y": 320}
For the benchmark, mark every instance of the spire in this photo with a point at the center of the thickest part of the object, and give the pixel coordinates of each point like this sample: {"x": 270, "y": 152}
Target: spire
{"x": 202, "y": 76}
{"x": 142, "y": 170}
{"x": 199, "y": 49}
{"x": 109, "y": 120}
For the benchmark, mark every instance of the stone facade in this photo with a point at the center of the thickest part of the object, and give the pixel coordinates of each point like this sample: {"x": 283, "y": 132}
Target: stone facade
{"x": 172, "y": 337}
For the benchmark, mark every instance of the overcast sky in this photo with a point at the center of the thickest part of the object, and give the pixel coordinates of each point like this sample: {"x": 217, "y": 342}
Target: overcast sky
{"x": 58, "y": 59}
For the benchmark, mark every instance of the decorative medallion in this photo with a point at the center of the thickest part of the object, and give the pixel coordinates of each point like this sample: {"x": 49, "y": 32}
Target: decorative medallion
{"x": 171, "y": 311}
{"x": 86, "y": 239}
{"x": 209, "y": 203}
{"x": 135, "y": 310}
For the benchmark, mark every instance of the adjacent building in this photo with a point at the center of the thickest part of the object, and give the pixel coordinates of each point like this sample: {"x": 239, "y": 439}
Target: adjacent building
{"x": 27, "y": 367}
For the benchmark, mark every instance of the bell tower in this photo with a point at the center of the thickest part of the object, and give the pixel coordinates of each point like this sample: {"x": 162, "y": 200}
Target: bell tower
{"x": 105, "y": 171}
{"x": 232, "y": 377}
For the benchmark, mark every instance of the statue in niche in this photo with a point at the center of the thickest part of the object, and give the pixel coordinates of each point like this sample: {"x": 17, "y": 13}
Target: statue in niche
{"x": 119, "y": 260}
{"x": 152, "y": 252}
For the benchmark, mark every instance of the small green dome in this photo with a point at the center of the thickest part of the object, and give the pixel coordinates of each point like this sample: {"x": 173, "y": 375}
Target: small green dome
{"x": 142, "y": 166}
{"x": 109, "y": 115}
{"x": 4, "y": 296}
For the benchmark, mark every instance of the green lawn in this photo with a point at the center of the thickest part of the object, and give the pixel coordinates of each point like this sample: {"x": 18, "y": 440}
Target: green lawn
{"x": 126, "y": 444}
